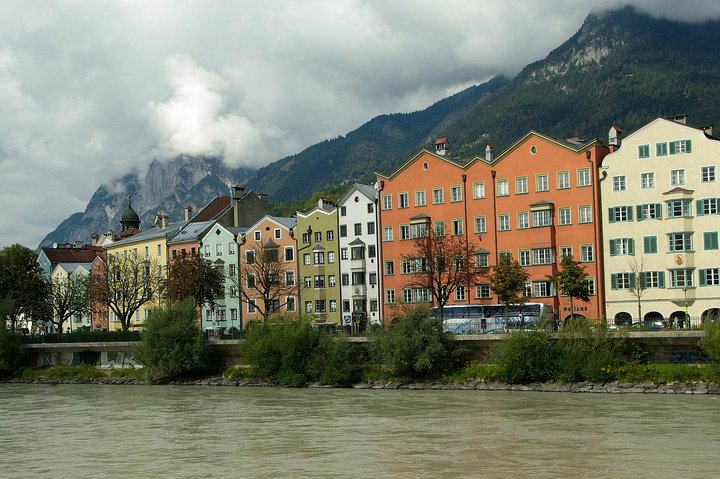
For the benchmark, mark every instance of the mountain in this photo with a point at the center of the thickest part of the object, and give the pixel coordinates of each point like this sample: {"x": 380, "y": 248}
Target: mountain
{"x": 167, "y": 187}
{"x": 622, "y": 67}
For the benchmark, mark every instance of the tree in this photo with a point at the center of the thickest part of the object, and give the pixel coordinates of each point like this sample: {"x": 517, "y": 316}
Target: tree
{"x": 195, "y": 277}
{"x": 507, "y": 280}
{"x": 637, "y": 283}
{"x": 264, "y": 278}
{"x": 11, "y": 347}
{"x": 22, "y": 285}
{"x": 571, "y": 281}
{"x": 172, "y": 344}
{"x": 124, "y": 284}
{"x": 441, "y": 264}
{"x": 68, "y": 297}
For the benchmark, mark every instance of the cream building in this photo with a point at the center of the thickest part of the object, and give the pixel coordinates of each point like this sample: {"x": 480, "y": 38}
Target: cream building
{"x": 660, "y": 198}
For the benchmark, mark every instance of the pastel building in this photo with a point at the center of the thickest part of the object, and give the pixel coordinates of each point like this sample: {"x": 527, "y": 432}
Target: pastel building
{"x": 660, "y": 220}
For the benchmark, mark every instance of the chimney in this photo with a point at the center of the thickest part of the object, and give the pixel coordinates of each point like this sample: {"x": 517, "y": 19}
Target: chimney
{"x": 682, "y": 119}
{"x": 442, "y": 147}
{"x": 161, "y": 220}
{"x": 614, "y": 137}
{"x": 263, "y": 197}
{"x": 95, "y": 238}
{"x": 79, "y": 244}
{"x": 325, "y": 204}
{"x": 708, "y": 130}
{"x": 238, "y": 192}
{"x": 188, "y": 212}
{"x": 489, "y": 153}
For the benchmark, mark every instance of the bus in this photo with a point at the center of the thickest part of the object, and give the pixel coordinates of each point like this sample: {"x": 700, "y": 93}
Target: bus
{"x": 492, "y": 318}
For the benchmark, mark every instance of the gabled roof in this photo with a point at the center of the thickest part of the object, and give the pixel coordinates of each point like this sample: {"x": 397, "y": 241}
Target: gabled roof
{"x": 288, "y": 222}
{"x": 71, "y": 267}
{"x": 679, "y": 189}
{"x": 72, "y": 255}
{"x": 368, "y": 191}
{"x": 191, "y": 232}
{"x": 212, "y": 210}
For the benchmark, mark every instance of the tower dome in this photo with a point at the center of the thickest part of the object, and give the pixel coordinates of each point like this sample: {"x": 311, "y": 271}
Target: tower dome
{"x": 130, "y": 218}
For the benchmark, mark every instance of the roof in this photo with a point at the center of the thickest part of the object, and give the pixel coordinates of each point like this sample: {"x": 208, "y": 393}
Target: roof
{"x": 212, "y": 210}
{"x": 152, "y": 233}
{"x": 287, "y": 221}
{"x": 71, "y": 267}
{"x": 190, "y": 232}
{"x": 440, "y": 141}
{"x": 72, "y": 255}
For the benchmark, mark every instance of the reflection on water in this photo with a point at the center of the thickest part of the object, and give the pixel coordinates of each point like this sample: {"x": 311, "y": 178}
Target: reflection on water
{"x": 188, "y": 432}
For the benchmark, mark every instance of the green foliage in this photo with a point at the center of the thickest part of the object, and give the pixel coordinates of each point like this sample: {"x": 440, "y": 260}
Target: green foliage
{"x": 571, "y": 280}
{"x": 64, "y": 373}
{"x": 172, "y": 344}
{"x": 526, "y": 356}
{"x": 136, "y": 374}
{"x": 586, "y": 352}
{"x": 665, "y": 373}
{"x": 336, "y": 361}
{"x": 475, "y": 371}
{"x": 415, "y": 347}
{"x": 507, "y": 280}
{"x": 710, "y": 342}
{"x": 12, "y": 351}
{"x": 23, "y": 287}
{"x": 195, "y": 277}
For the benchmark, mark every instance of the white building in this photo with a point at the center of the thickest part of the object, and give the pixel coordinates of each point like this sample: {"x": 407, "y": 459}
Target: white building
{"x": 660, "y": 199}
{"x": 357, "y": 226}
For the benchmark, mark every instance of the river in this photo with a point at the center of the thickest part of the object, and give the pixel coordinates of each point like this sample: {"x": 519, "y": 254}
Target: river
{"x": 82, "y": 431}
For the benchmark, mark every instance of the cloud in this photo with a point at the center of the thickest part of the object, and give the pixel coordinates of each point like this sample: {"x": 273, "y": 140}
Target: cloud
{"x": 91, "y": 90}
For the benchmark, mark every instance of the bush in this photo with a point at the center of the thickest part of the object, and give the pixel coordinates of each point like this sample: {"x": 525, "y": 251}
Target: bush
{"x": 336, "y": 361}
{"x": 172, "y": 344}
{"x": 526, "y": 356}
{"x": 586, "y": 352}
{"x": 415, "y": 347}
{"x": 710, "y": 342}
{"x": 12, "y": 351}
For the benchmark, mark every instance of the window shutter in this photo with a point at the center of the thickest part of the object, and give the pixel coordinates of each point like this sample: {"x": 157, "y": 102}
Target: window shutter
{"x": 632, "y": 280}
{"x": 643, "y": 280}
{"x": 661, "y": 279}
{"x": 613, "y": 281}
{"x": 639, "y": 209}
{"x": 672, "y": 147}
{"x": 631, "y": 246}
{"x": 611, "y": 215}
{"x": 688, "y": 146}
{"x": 629, "y": 213}
{"x": 647, "y": 244}
{"x": 612, "y": 247}
{"x": 699, "y": 208}
{"x": 702, "y": 277}
{"x": 658, "y": 210}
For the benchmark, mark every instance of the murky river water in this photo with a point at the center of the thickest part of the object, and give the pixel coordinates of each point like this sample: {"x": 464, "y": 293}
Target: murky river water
{"x": 79, "y": 431}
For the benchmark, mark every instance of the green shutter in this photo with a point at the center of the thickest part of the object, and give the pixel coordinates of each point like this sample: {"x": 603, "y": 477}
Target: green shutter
{"x": 661, "y": 279}
{"x": 658, "y": 210}
{"x": 632, "y": 281}
{"x": 672, "y": 147}
{"x": 639, "y": 209}
{"x": 702, "y": 277}
{"x": 613, "y": 281}
{"x": 643, "y": 280}
{"x": 699, "y": 210}
{"x": 612, "y": 247}
{"x": 631, "y": 246}
{"x": 688, "y": 146}
{"x": 611, "y": 215}
{"x": 629, "y": 213}
{"x": 649, "y": 244}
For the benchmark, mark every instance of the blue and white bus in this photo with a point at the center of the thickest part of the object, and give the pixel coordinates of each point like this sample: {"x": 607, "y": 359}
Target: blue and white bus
{"x": 493, "y": 318}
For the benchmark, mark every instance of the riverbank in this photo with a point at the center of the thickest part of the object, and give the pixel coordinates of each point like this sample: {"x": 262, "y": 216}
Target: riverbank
{"x": 614, "y": 387}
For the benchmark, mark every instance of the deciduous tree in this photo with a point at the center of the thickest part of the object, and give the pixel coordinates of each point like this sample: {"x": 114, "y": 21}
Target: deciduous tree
{"x": 571, "y": 281}
{"x": 22, "y": 285}
{"x": 68, "y": 297}
{"x": 195, "y": 277}
{"x": 507, "y": 281}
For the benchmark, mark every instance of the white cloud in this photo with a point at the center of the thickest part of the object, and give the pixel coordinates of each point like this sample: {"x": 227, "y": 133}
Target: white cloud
{"x": 90, "y": 90}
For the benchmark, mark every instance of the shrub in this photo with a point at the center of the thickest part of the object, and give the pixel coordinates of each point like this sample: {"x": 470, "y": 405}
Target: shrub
{"x": 336, "y": 361}
{"x": 710, "y": 342}
{"x": 415, "y": 347}
{"x": 586, "y": 352}
{"x": 172, "y": 344}
{"x": 526, "y": 356}
{"x": 12, "y": 351}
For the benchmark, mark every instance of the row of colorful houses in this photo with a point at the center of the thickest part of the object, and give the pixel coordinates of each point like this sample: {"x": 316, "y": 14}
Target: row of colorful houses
{"x": 639, "y": 213}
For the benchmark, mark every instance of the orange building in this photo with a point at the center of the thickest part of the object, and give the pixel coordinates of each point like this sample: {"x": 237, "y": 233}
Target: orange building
{"x": 537, "y": 201}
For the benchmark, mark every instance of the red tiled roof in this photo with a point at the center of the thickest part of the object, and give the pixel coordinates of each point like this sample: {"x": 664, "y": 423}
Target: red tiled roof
{"x": 440, "y": 141}
{"x": 212, "y": 210}
{"x": 72, "y": 255}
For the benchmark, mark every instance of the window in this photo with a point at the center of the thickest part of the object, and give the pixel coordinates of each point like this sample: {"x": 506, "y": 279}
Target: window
{"x": 661, "y": 149}
{"x": 387, "y": 233}
{"x": 357, "y": 252}
{"x": 333, "y": 305}
{"x": 251, "y": 306}
{"x": 710, "y": 240}
{"x": 584, "y": 214}
{"x": 478, "y": 190}
{"x": 372, "y": 251}
{"x": 680, "y": 242}
{"x": 404, "y": 232}
{"x": 583, "y": 177}
{"x": 330, "y": 235}
{"x": 307, "y": 282}
{"x": 319, "y": 281}
{"x": 652, "y": 279}
{"x": 563, "y": 180}
{"x": 389, "y": 268}
{"x": 565, "y": 251}
{"x": 290, "y": 303}
{"x": 680, "y": 146}
{"x": 457, "y": 227}
{"x": 403, "y": 201}
{"x": 678, "y": 208}
{"x": 460, "y": 293}
{"x": 289, "y": 278}
{"x": 586, "y": 253}
{"x": 250, "y": 256}
{"x": 681, "y": 278}
{"x": 331, "y": 257}
{"x": 710, "y": 277}
{"x": 438, "y": 196}
{"x": 256, "y": 235}
{"x": 502, "y": 188}
{"x": 619, "y": 183}
{"x": 277, "y": 233}
{"x": 372, "y": 278}
{"x": 521, "y": 185}
{"x": 308, "y": 306}
{"x": 343, "y": 231}
{"x": 650, "y": 245}
{"x": 541, "y": 218}
{"x": 707, "y": 174}
{"x": 523, "y": 220}
{"x": 373, "y": 305}
{"x": 524, "y": 258}
{"x": 564, "y": 217}
{"x": 643, "y": 151}
{"x": 541, "y": 289}
{"x": 541, "y": 182}
{"x": 650, "y": 211}
{"x": 306, "y": 259}
{"x": 503, "y": 222}
{"x": 419, "y": 230}
{"x": 343, "y": 211}
{"x": 345, "y": 279}
{"x": 358, "y": 277}
{"x": 455, "y": 194}
{"x": 622, "y": 281}
{"x": 319, "y": 305}
{"x": 407, "y": 295}
{"x": 218, "y": 249}
{"x": 622, "y": 246}
{"x": 289, "y": 253}
{"x": 647, "y": 180}
{"x": 370, "y": 208}
{"x": 420, "y": 198}
{"x": 159, "y": 251}
{"x": 707, "y": 206}
{"x": 542, "y": 256}
{"x": 346, "y": 306}
{"x": 590, "y": 286}
{"x": 481, "y": 259}
{"x": 390, "y": 296}
{"x": 147, "y": 252}
{"x": 318, "y": 257}
{"x": 232, "y": 270}
{"x": 482, "y": 291}
{"x": 677, "y": 177}
{"x": 439, "y": 227}
{"x": 620, "y": 213}
{"x": 318, "y": 236}
{"x": 343, "y": 253}
{"x": 386, "y": 202}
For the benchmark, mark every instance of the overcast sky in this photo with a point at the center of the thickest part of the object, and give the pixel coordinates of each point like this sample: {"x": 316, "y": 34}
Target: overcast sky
{"x": 92, "y": 89}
